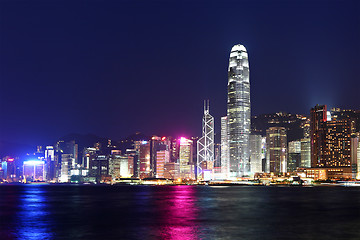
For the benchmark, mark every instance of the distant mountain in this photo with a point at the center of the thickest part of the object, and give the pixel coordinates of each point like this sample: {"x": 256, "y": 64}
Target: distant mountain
{"x": 295, "y": 124}
{"x": 127, "y": 143}
{"x": 138, "y": 136}
{"x": 84, "y": 140}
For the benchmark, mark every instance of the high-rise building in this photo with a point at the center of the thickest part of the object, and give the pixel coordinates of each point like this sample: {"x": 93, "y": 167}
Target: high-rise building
{"x": 305, "y": 161}
{"x": 337, "y": 144}
{"x": 276, "y": 150}
{"x": 50, "y": 163}
{"x": 225, "y": 154}
{"x": 157, "y": 144}
{"x": 263, "y": 153}
{"x": 120, "y": 166}
{"x": 99, "y": 168}
{"x": 294, "y": 147}
{"x": 67, "y": 164}
{"x": 34, "y": 170}
{"x": 238, "y": 111}
{"x": 144, "y": 155}
{"x": 294, "y": 156}
{"x": 347, "y": 114}
{"x": 172, "y": 170}
{"x": 333, "y": 142}
{"x": 256, "y": 153}
{"x": 354, "y": 154}
{"x": 133, "y": 156}
{"x": 318, "y": 118}
{"x": 205, "y": 147}
{"x": 162, "y": 157}
{"x": 185, "y": 159}
{"x": 9, "y": 169}
{"x": 358, "y": 156}
{"x": 89, "y": 154}
{"x": 135, "y": 153}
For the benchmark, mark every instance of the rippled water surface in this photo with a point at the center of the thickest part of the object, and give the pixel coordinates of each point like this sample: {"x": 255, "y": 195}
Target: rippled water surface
{"x": 178, "y": 212}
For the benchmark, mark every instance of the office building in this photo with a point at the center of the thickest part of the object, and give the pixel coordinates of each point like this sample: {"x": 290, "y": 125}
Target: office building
{"x": 305, "y": 161}
{"x": 144, "y": 155}
{"x": 276, "y": 150}
{"x": 318, "y": 119}
{"x": 294, "y": 156}
{"x": 34, "y": 170}
{"x": 205, "y": 147}
{"x": 186, "y": 164}
{"x": 256, "y": 153}
{"x": 238, "y": 111}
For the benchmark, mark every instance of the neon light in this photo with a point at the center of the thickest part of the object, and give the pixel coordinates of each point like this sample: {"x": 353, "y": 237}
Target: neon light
{"x": 163, "y": 138}
{"x": 144, "y": 142}
{"x": 10, "y": 160}
{"x": 34, "y": 162}
{"x": 183, "y": 140}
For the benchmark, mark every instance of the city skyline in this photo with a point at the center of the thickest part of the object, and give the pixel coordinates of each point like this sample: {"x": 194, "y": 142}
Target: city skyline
{"x": 128, "y": 67}
{"x": 106, "y": 129}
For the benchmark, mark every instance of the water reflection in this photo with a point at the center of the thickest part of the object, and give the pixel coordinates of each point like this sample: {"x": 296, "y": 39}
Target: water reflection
{"x": 33, "y": 218}
{"x": 180, "y": 220}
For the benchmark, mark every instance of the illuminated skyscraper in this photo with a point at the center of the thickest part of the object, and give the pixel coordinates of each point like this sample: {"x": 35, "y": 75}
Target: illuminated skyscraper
{"x": 294, "y": 156}
{"x": 186, "y": 159}
{"x": 33, "y": 170}
{"x": 157, "y": 144}
{"x": 162, "y": 157}
{"x": 205, "y": 146}
{"x": 305, "y": 153}
{"x": 354, "y": 154}
{"x": 67, "y": 163}
{"x": 338, "y": 144}
{"x": 276, "y": 141}
{"x": 238, "y": 111}
{"x": 225, "y": 165}
{"x": 144, "y": 169}
{"x": 50, "y": 163}
{"x": 256, "y": 153}
{"x": 318, "y": 118}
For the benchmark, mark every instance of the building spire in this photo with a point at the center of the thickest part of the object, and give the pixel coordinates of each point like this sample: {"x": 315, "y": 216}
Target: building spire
{"x": 206, "y": 106}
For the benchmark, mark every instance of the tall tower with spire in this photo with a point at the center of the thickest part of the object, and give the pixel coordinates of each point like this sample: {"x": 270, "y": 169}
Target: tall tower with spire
{"x": 238, "y": 111}
{"x": 205, "y": 146}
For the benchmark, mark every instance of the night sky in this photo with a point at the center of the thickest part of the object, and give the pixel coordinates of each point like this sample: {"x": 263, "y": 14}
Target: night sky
{"x": 112, "y": 68}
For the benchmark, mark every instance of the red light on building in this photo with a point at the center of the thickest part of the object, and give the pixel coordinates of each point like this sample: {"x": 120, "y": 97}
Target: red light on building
{"x": 163, "y": 138}
{"x": 10, "y": 160}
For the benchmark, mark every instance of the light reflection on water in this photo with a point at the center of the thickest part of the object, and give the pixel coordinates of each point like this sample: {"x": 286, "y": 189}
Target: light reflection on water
{"x": 180, "y": 222}
{"x": 166, "y": 213}
{"x": 178, "y": 212}
{"x": 34, "y": 221}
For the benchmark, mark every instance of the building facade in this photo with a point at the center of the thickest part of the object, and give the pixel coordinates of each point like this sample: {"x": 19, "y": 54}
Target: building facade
{"x": 205, "y": 146}
{"x": 318, "y": 119}
{"x": 225, "y": 154}
{"x": 294, "y": 156}
{"x": 276, "y": 150}
{"x": 238, "y": 111}
{"x": 256, "y": 153}
{"x": 305, "y": 161}
{"x": 186, "y": 165}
